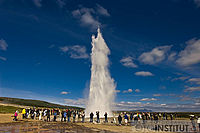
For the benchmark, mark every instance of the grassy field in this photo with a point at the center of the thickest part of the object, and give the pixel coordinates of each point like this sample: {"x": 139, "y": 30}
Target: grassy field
{"x": 9, "y": 109}
{"x": 34, "y": 103}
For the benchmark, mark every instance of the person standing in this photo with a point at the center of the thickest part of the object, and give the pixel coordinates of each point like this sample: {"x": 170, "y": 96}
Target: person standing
{"x": 68, "y": 115}
{"x": 106, "y": 117}
{"x": 32, "y": 113}
{"x": 164, "y": 116}
{"x": 74, "y": 116}
{"x": 146, "y": 115}
{"x": 64, "y": 115}
{"x": 171, "y": 116}
{"x": 131, "y": 116}
{"x": 98, "y": 120}
{"x": 151, "y": 116}
{"x": 136, "y": 119}
{"x": 15, "y": 115}
{"x": 83, "y": 117}
{"x": 126, "y": 119}
{"x": 198, "y": 122}
{"x": 48, "y": 115}
{"x": 91, "y": 117}
{"x": 55, "y": 115}
{"x": 143, "y": 118}
{"x": 44, "y": 114}
{"x": 79, "y": 114}
{"x": 192, "y": 118}
{"x": 35, "y": 115}
{"x": 23, "y": 113}
{"x": 27, "y": 113}
{"x": 156, "y": 118}
{"x": 175, "y": 115}
{"x": 120, "y": 119}
{"x": 159, "y": 116}
{"x": 40, "y": 114}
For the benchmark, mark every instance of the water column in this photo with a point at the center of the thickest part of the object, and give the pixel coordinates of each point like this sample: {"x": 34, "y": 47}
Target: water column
{"x": 102, "y": 86}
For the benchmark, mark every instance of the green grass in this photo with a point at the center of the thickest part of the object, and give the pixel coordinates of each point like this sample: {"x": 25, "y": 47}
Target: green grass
{"x": 34, "y": 103}
{"x": 9, "y": 109}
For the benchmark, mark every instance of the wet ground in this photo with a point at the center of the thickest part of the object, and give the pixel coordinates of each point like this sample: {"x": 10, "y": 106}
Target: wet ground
{"x": 47, "y": 127}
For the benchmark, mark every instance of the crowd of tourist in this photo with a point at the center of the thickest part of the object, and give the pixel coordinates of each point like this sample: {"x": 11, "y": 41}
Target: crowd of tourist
{"x": 144, "y": 116}
{"x": 45, "y": 114}
{"x": 79, "y": 115}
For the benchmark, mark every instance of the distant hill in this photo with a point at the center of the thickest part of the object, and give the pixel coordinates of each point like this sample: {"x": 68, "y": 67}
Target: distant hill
{"x": 142, "y": 110}
{"x": 34, "y": 103}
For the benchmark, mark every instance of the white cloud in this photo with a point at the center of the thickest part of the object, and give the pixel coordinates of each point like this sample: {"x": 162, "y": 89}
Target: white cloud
{"x": 128, "y": 91}
{"x": 117, "y": 91}
{"x": 173, "y": 107}
{"x": 102, "y": 10}
{"x": 191, "y": 54}
{"x": 89, "y": 16}
{"x": 76, "y": 102}
{"x": 88, "y": 20}
{"x": 137, "y": 90}
{"x": 76, "y": 13}
{"x": 194, "y": 80}
{"x": 3, "y": 45}
{"x": 192, "y": 89}
{"x": 128, "y": 62}
{"x": 85, "y": 15}
{"x": 197, "y": 100}
{"x": 64, "y": 93}
{"x": 185, "y": 98}
{"x": 143, "y": 73}
{"x": 172, "y": 56}
{"x": 148, "y": 99}
{"x": 156, "y": 95}
{"x": 64, "y": 49}
{"x": 180, "y": 78}
{"x": 3, "y": 58}
{"x": 38, "y": 3}
{"x": 197, "y": 2}
{"x": 157, "y": 55}
{"x": 76, "y": 51}
{"x": 60, "y": 3}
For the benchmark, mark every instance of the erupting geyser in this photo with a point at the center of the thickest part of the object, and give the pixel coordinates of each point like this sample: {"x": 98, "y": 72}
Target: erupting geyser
{"x": 102, "y": 87}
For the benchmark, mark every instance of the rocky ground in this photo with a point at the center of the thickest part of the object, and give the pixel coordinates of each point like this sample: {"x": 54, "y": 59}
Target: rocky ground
{"x": 28, "y": 125}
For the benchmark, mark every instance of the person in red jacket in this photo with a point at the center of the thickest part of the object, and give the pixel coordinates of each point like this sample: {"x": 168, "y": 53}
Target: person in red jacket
{"x": 15, "y": 115}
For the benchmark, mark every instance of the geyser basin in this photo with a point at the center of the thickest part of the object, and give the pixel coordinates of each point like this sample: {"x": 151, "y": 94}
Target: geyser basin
{"x": 102, "y": 87}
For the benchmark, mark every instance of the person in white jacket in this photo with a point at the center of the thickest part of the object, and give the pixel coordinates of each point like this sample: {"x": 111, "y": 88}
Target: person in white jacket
{"x": 40, "y": 116}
